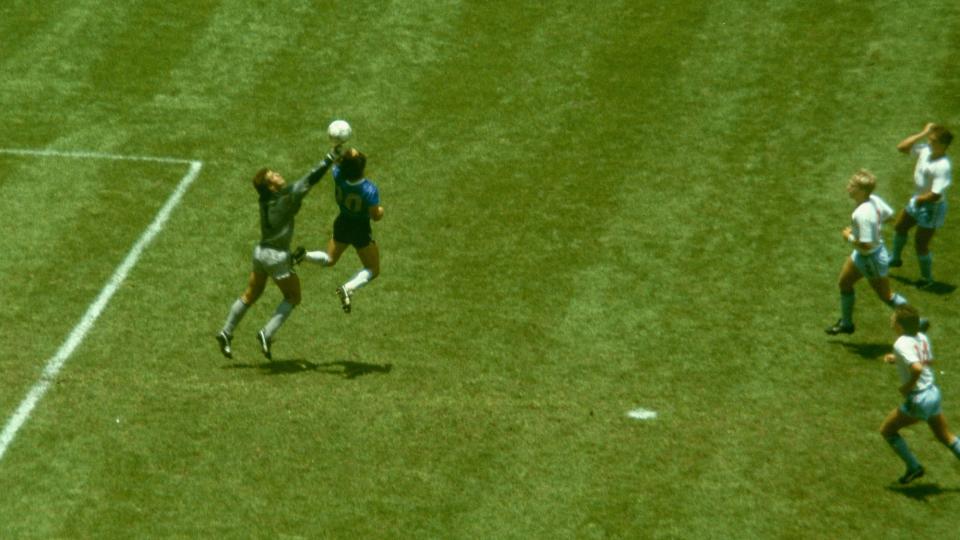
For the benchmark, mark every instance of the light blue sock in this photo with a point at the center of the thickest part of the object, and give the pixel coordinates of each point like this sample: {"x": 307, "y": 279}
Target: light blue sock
{"x": 926, "y": 266}
{"x": 846, "y": 308}
{"x": 897, "y": 300}
{"x": 955, "y": 447}
{"x": 900, "y": 447}
{"x": 899, "y": 240}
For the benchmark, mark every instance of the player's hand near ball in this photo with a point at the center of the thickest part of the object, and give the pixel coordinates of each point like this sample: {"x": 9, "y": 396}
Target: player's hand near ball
{"x": 334, "y": 154}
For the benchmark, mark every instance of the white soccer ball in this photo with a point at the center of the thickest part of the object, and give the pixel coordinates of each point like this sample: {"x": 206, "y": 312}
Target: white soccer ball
{"x": 339, "y": 131}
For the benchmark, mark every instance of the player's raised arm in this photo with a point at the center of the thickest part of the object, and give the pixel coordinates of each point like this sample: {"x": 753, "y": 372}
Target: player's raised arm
{"x": 321, "y": 169}
{"x": 905, "y": 145}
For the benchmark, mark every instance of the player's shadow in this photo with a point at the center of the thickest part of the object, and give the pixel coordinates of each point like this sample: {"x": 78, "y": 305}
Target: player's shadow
{"x": 279, "y": 367}
{"x": 867, "y": 351}
{"x": 937, "y": 287}
{"x": 922, "y": 492}
{"x": 348, "y": 369}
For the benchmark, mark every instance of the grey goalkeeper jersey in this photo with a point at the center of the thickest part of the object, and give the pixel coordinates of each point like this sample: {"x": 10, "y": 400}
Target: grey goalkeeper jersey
{"x": 278, "y": 210}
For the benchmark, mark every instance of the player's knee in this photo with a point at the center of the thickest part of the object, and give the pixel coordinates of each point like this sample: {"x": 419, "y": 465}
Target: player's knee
{"x": 903, "y": 224}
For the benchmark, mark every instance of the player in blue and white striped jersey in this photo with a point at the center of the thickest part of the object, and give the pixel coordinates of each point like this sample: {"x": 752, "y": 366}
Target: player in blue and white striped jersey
{"x": 869, "y": 256}
{"x": 359, "y": 201}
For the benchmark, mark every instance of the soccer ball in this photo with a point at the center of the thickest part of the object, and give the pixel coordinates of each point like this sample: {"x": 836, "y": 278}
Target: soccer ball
{"x": 339, "y": 131}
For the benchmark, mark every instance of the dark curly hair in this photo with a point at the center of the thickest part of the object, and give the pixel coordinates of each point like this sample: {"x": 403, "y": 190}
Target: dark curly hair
{"x": 352, "y": 164}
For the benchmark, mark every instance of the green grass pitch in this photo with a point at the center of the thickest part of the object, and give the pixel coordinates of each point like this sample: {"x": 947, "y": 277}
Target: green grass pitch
{"x": 590, "y": 208}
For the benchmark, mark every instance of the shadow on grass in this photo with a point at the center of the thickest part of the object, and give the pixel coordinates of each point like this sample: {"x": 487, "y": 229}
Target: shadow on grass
{"x": 345, "y": 368}
{"x": 278, "y": 367}
{"x": 937, "y": 287}
{"x": 868, "y": 351}
{"x": 349, "y": 369}
{"x": 922, "y": 492}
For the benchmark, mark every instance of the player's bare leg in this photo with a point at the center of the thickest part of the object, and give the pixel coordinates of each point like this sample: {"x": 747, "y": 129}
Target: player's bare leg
{"x": 938, "y": 424}
{"x": 255, "y": 286}
{"x": 882, "y": 287}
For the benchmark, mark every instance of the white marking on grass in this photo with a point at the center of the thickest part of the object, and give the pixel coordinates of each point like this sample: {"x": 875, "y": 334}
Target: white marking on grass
{"x": 79, "y": 332}
{"x": 642, "y": 414}
{"x": 92, "y": 155}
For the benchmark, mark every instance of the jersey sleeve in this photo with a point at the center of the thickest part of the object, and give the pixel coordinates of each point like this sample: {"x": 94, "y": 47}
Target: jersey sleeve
{"x": 372, "y": 195}
{"x": 918, "y": 149}
{"x": 883, "y": 209}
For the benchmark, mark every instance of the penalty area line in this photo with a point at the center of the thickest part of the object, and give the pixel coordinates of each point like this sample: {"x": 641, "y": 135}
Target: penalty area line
{"x": 91, "y": 155}
{"x": 79, "y": 332}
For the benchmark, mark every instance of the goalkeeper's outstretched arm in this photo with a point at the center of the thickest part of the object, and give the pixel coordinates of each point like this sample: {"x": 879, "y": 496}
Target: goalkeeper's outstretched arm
{"x": 321, "y": 169}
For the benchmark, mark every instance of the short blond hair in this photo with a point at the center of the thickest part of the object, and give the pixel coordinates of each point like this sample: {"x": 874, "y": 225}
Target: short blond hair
{"x": 864, "y": 180}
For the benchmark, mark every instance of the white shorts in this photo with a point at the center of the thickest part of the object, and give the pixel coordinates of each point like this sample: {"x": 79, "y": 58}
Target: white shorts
{"x": 923, "y": 404}
{"x": 928, "y": 216}
{"x": 276, "y": 263}
{"x": 874, "y": 265}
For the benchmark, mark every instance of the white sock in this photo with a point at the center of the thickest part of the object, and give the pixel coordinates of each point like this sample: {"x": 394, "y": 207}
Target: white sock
{"x": 237, "y": 311}
{"x": 279, "y": 317}
{"x": 362, "y": 278}
{"x": 318, "y": 257}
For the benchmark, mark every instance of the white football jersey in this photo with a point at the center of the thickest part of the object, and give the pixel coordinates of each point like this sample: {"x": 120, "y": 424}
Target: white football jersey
{"x": 910, "y": 350}
{"x": 867, "y": 218}
{"x": 931, "y": 175}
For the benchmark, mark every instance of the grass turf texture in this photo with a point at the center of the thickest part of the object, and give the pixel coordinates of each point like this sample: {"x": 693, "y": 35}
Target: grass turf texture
{"x": 588, "y": 211}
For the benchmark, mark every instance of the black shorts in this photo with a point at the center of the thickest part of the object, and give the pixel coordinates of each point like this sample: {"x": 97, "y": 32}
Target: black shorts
{"x": 356, "y": 232}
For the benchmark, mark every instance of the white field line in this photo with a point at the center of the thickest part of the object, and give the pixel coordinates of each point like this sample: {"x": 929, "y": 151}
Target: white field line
{"x": 79, "y": 332}
{"x": 92, "y": 155}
